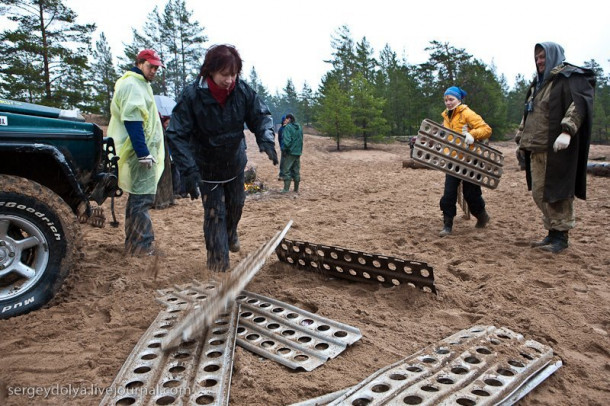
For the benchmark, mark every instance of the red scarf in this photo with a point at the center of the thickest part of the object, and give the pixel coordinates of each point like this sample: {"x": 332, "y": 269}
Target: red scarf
{"x": 218, "y": 92}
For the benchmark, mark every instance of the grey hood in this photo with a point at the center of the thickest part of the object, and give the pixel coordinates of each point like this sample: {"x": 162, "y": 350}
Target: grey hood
{"x": 554, "y": 57}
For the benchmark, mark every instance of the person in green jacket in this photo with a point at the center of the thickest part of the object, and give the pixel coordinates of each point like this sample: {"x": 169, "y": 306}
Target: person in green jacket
{"x": 292, "y": 149}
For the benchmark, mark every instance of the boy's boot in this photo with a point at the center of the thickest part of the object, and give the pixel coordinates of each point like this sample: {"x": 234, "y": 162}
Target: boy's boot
{"x": 447, "y": 225}
{"x": 296, "y": 185}
{"x": 482, "y": 219}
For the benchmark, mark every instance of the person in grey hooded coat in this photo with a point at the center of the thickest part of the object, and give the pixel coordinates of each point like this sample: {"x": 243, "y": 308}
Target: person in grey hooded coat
{"x": 554, "y": 137}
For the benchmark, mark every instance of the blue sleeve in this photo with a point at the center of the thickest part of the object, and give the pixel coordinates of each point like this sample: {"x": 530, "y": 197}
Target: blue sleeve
{"x": 135, "y": 129}
{"x": 280, "y": 136}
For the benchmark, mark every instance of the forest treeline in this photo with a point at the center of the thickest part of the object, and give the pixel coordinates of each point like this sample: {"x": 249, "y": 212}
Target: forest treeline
{"x": 48, "y": 57}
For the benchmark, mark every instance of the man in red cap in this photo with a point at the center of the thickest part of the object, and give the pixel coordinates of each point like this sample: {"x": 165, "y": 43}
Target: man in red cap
{"x": 154, "y": 61}
{"x": 138, "y": 138}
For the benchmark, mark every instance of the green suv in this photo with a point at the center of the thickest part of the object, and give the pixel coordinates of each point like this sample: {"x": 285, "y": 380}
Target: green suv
{"x": 52, "y": 165}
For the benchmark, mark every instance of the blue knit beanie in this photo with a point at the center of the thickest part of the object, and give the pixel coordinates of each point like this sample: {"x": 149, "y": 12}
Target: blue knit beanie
{"x": 455, "y": 92}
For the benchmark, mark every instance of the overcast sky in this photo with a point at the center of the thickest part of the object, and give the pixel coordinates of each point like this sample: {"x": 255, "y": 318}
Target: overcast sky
{"x": 291, "y": 39}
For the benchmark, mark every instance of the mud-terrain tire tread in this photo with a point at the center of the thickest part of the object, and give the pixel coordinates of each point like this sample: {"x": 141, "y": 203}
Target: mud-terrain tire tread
{"x": 70, "y": 229}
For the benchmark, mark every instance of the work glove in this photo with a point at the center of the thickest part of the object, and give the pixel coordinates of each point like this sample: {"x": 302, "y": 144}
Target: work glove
{"x": 269, "y": 149}
{"x": 562, "y": 142}
{"x": 191, "y": 185}
{"x": 469, "y": 138}
{"x": 147, "y": 161}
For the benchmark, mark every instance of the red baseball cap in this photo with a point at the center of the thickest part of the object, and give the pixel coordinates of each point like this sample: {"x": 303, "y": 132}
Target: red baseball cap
{"x": 151, "y": 56}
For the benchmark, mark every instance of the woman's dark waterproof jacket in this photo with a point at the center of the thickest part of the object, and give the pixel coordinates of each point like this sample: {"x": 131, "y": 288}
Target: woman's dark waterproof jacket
{"x": 208, "y": 138}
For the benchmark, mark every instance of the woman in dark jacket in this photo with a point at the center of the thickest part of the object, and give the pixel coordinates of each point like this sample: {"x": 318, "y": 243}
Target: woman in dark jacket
{"x": 206, "y": 136}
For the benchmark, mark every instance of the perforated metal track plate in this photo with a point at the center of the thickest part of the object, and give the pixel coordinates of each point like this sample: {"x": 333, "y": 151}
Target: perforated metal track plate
{"x": 441, "y": 148}
{"x": 356, "y": 265}
{"x": 196, "y": 321}
{"x": 279, "y": 331}
{"x": 197, "y": 372}
{"x": 483, "y": 365}
{"x": 288, "y": 335}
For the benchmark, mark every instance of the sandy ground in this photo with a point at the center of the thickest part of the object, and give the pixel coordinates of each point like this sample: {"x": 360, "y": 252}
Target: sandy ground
{"x": 366, "y": 201}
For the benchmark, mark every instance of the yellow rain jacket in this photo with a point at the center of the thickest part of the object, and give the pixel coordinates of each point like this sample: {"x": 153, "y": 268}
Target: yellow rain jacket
{"x": 133, "y": 100}
{"x": 464, "y": 116}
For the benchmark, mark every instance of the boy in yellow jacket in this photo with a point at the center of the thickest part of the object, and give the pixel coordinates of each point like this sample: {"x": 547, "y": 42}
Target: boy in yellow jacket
{"x": 459, "y": 117}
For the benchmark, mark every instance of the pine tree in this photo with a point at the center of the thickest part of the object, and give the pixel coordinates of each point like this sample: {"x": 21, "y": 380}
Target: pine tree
{"x": 184, "y": 41}
{"x": 106, "y": 75}
{"x": 306, "y": 102}
{"x": 334, "y": 116}
{"x": 177, "y": 40}
{"x": 438, "y": 73}
{"x": 366, "y": 109}
{"x": 150, "y": 38}
{"x": 446, "y": 60}
{"x": 364, "y": 62}
{"x": 291, "y": 99}
{"x": 287, "y": 102}
{"x": 271, "y": 102}
{"x": 343, "y": 57}
{"x": 515, "y": 101}
{"x": 45, "y": 54}
{"x": 257, "y": 85}
{"x": 485, "y": 95}
{"x": 601, "y": 106}
{"x": 397, "y": 84}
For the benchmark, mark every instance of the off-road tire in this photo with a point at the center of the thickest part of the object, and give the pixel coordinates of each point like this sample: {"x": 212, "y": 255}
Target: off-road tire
{"x": 38, "y": 236}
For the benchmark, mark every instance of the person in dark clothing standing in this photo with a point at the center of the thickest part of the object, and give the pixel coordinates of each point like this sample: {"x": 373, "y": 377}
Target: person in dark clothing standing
{"x": 206, "y": 137}
{"x": 554, "y": 135}
{"x": 292, "y": 149}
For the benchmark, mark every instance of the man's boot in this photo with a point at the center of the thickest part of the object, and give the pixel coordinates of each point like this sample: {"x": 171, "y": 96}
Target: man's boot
{"x": 296, "y": 185}
{"x": 559, "y": 242}
{"x": 286, "y": 186}
{"x": 482, "y": 219}
{"x": 447, "y": 225}
{"x": 545, "y": 241}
